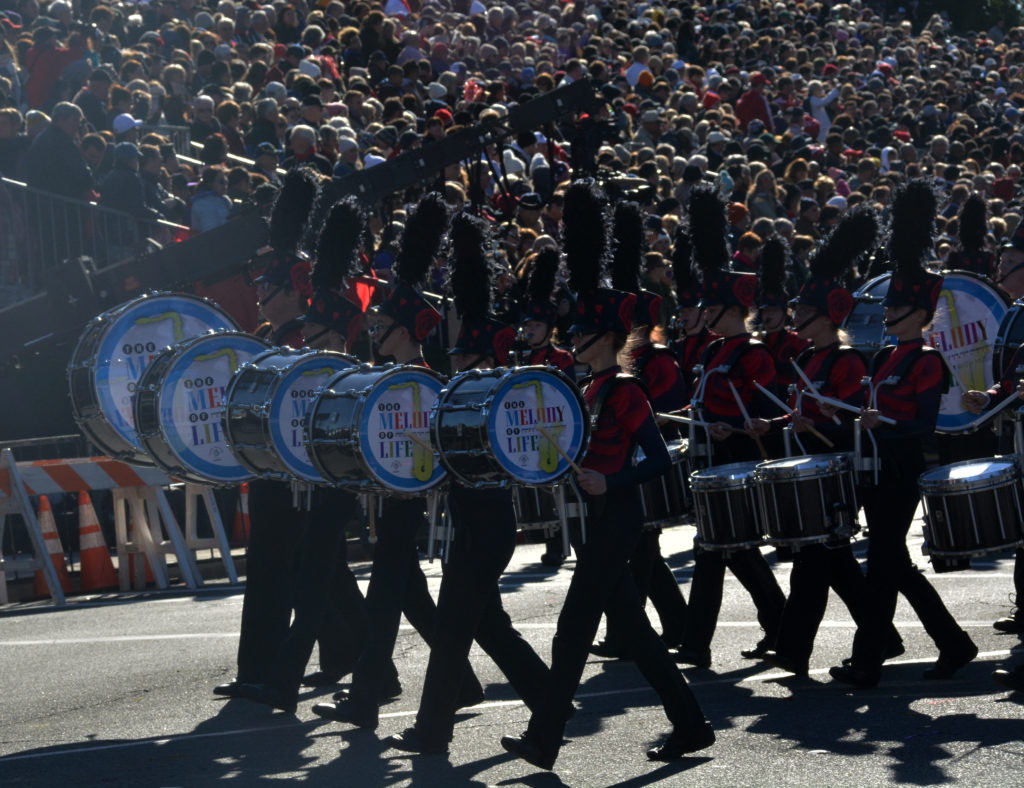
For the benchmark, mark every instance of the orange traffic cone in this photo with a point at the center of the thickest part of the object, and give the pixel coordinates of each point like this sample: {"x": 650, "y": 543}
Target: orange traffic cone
{"x": 97, "y": 569}
{"x": 49, "y": 528}
{"x": 240, "y": 529}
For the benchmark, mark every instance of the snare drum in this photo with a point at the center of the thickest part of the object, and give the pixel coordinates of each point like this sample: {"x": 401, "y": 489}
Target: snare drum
{"x": 725, "y": 500}
{"x": 490, "y": 425}
{"x": 178, "y": 406}
{"x": 266, "y": 405}
{"x": 807, "y": 500}
{"x": 536, "y": 508}
{"x": 972, "y": 508}
{"x": 112, "y": 353}
{"x": 665, "y": 499}
{"x": 369, "y": 429}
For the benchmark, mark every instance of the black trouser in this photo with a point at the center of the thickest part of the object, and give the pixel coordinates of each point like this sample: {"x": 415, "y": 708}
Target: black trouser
{"x": 654, "y": 579}
{"x": 267, "y": 604}
{"x": 889, "y": 510}
{"x": 328, "y": 604}
{"x": 469, "y": 606}
{"x": 816, "y": 568}
{"x": 1018, "y": 584}
{"x": 602, "y": 583}
{"x": 397, "y": 585}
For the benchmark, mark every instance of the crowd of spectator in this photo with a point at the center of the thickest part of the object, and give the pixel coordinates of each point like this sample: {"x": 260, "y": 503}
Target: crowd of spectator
{"x": 799, "y": 111}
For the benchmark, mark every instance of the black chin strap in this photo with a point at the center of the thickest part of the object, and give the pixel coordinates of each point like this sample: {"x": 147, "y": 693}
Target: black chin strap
{"x": 807, "y": 322}
{"x": 714, "y": 322}
{"x": 315, "y": 337}
{"x": 897, "y": 321}
{"x": 588, "y": 343}
{"x": 1009, "y": 273}
{"x": 272, "y": 296}
{"x": 476, "y": 363}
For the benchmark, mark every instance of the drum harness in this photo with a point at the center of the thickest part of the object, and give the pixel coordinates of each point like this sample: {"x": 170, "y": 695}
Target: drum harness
{"x": 823, "y": 373}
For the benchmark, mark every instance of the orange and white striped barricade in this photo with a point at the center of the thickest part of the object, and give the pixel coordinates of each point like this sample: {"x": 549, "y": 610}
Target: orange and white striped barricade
{"x": 48, "y": 527}
{"x": 194, "y": 494}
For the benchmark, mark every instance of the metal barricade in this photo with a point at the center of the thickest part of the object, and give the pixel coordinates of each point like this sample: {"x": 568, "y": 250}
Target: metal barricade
{"x": 180, "y": 136}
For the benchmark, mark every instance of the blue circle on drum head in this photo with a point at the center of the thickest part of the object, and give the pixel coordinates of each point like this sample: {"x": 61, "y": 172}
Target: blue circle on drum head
{"x": 397, "y": 404}
{"x": 288, "y": 409}
{"x": 145, "y": 329}
{"x": 191, "y": 396}
{"x": 525, "y": 404}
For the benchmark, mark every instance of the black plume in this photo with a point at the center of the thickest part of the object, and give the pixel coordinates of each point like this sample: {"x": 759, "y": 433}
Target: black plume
{"x": 542, "y": 277}
{"x": 682, "y": 260}
{"x": 772, "y": 265}
{"x": 470, "y": 275}
{"x": 584, "y": 235}
{"x": 913, "y": 227}
{"x": 291, "y": 209}
{"x": 708, "y": 228}
{"x": 628, "y": 235}
{"x": 856, "y": 233}
{"x": 338, "y": 244}
{"x": 421, "y": 240}
{"x": 973, "y": 223}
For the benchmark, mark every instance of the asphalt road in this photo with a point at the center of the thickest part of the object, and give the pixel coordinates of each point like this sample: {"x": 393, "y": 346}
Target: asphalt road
{"x": 117, "y": 692}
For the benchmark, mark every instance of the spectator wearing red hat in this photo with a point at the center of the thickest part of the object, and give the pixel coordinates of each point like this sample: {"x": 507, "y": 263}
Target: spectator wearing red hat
{"x": 754, "y": 104}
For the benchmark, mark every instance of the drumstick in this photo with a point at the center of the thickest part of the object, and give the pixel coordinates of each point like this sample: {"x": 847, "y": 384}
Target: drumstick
{"x": 811, "y": 388}
{"x": 746, "y": 417}
{"x": 559, "y": 449}
{"x": 417, "y": 439}
{"x": 1014, "y": 397}
{"x": 787, "y": 409}
{"x": 838, "y": 403}
{"x": 953, "y": 371}
{"x": 686, "y": 420}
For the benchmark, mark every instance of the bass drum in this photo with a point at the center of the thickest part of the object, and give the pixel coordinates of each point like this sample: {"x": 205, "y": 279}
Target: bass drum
{"x": 178, "y": 407}
{"x": 267, "y": 403}
{"x": 1008, "y": 340}
{"x": 368, "y": 429}
{"x": 113, "y": 352}
{"x": 967, "y": 321}
{"x": 496, "y": 427}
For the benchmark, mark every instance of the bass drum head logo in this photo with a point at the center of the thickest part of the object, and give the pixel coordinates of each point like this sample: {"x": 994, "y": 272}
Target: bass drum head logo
{"x": 394, "y": 431}
{"x": 531, "y": 410}
{"x": 191, "y": 398}
{"x": 290, "y": 404}
{"x": 134, "y": 338}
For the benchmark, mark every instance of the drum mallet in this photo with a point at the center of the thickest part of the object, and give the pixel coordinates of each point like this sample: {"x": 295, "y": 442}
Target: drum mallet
{"x": 811, "y": 388}
{"x": 787, "y": 409}
{"x": 417, "y": 439}
{"x": 550, "y": 439}
{"x": 684, "y": 420}
{"x": 746, "y": 417}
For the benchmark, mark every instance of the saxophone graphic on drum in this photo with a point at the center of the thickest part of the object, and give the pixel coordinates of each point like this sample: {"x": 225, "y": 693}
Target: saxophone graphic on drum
{"x": 422, "y": 457}
{"x": 969, "y": 365}
{"x": 178, "y": 328}
{"x": 548, "y": 457}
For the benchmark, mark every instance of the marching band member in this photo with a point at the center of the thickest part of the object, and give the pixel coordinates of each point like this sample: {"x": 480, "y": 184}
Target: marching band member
{"x": 836, "y": 370}
{"x": 972, "y": 255}
{"x": 696, "y": 336}
{"x": 397, "y": 582}
{"x": 782, "y": 342}
{"x": 322, "y": 575}
{"x": 907, "y": 382}
{"x": 656, "y": 368}
{"x": 737, "y": 359}
{"x": 538, "y": 326}
{"x": 284, "y": 289}
{"x": 601, "y": 581}
{"x": 469, "y": 603}
{"x": 1011, "y": 280}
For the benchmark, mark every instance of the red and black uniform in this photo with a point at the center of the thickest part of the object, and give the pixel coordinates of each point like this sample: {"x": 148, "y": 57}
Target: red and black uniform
{"x": 657, "y": 368}
{"x": 836, "y": 372}
{"x": 688, "y": 351}
{"x": 742, "y": 362}
{"x": 289, "y": 335}
{"x": 621, "y": 421}
{"x": 784, "y": 345}
{"x": 978, "y": 261}
{"x": 909, "y": 380}
{"x": 552, "y": 356}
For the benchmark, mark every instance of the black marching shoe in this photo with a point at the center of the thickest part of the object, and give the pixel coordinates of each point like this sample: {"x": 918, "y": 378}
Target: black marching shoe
{"x": 893, "y": 650}
{"x": 1011, "y": 679}
{"x": 758, "y": 651}
{"x": 782, "y": 662}
{"x": 392, "y": 689}
{"x": 269, "y": 696}
{"x": 469, "y": 696}
{"x": 1012, "y": 625}
{"x": 681, "y": 742}
{"x": 526, "y": 748}
{"x": 949, "y": 663}
{"x": 348, "y": 711}
{"x": 689, "y": 656}
{"x": 324, "y": 678}
{"x": 856, "y": 677}
{"x": 554, "y": 560}
{"x": 229, "y": 689}
{"x": 410, "y": 740}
